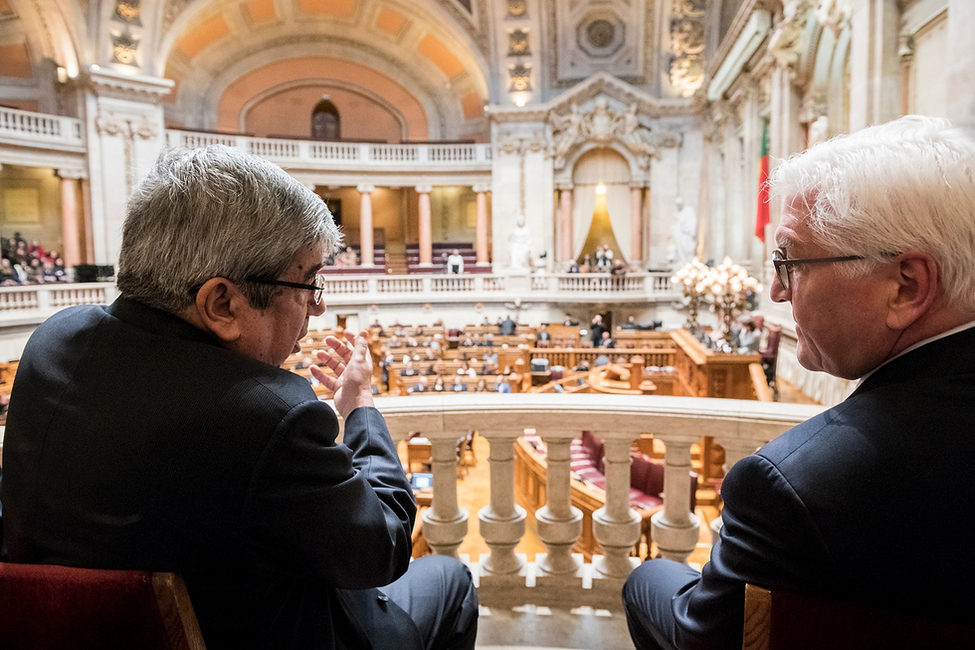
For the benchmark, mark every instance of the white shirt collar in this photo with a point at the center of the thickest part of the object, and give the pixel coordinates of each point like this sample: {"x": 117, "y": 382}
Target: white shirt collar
{"x": 932, "y": 339}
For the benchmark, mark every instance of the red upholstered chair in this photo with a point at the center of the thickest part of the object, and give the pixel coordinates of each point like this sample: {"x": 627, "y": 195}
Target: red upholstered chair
{"x": 780, "y": 620}
{"x": 49, "y": 606}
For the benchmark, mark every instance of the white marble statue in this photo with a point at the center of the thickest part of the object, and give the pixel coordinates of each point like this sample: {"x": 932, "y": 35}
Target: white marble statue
{"x": 633, "y": 134}
{"x": 819, "y": 130}
{"x": 684, "y": 232}
{"x": 520, "y": 245}
{"x": 566, "y": 131}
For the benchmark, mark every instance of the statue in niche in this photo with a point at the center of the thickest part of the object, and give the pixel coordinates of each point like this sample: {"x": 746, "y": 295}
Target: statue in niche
{"x": 819, "y": 130}
{"x": 520, "y": 245}
{"x": 634, "y": 135}
{"x": 684, "y": 232}
{"x": 566, "y": 131}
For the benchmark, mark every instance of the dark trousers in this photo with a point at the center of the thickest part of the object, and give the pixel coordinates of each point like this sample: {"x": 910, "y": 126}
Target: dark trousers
{"x": 438, "y": 594}
{"x": 647, "y": 601}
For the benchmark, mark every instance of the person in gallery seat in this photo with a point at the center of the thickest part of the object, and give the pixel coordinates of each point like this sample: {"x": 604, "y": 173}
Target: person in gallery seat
{"x": 219, "y": 464}
{"x": 876, "y": 247}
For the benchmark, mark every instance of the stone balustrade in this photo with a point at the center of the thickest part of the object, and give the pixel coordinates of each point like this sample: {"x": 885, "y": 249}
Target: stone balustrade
{"x": 311, "y": 154}
{"x": 39, "y": 129}
{"x": 559, "y": 576}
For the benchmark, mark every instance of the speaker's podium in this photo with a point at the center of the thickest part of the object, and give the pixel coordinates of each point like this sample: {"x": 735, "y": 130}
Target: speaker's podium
{"x": 540, "y": 373}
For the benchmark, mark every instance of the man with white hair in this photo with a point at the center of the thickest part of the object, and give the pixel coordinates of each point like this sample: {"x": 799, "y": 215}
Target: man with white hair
{"x": 866, "y": 501}
{"x": 161, "y": 433}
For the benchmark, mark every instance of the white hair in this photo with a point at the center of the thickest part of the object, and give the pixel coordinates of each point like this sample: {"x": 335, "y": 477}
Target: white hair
{"x": 905, "y": 185}
{"x": 216, "y": 212}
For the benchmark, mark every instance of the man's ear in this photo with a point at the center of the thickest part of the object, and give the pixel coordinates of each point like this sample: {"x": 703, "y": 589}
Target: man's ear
{"x": 916, "y": 288}
{"x": 218, "y": 309}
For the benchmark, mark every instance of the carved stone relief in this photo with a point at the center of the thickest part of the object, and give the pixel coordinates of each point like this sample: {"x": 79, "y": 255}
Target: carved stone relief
{"x": 602, "y": 125}
{"x": 520, "y": 77}
{"x": 606, "y": 36}
{"x": 128, "y": 11}
{"x": 787, "y": 40}
{"x": 517, "y": 8}
{"x": 834, "y": 14}
{"x": 687, "y": 42}
{"x": 125, "y": 46}
{"x": 518, "y": 44}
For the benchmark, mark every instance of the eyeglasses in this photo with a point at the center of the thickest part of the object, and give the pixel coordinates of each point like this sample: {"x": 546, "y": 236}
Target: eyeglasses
{"x": 318, "y": 288}
{"x": 783, "y": 265}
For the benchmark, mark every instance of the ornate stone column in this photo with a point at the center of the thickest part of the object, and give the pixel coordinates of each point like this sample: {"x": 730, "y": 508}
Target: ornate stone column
{"x": 71, "y": 217}
{"x": 566, "y": 196}
{"x": 426, "y": 232}
{"x": 445, "y": 524}
{"x": 616, "y": 526}
{"x": 502, "y": 523}
{"x": 365, "y": 224}
{"x": 676, "y": 528}
{"x": 636, "y": 224}
{"x": 124, "y": 128}
{"x": 559, "y": 523}
{"x": 482, "y": 224}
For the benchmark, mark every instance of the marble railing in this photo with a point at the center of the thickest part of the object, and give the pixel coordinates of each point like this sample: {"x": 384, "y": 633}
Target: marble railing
{"x": 31, "y": 304}
{"x": 22, "y": 305}
{"x": 565, "y": 287}
{"x": 559, "y": 576}
{"x": 311, "y": 153}
{"x": 39, "y": 129}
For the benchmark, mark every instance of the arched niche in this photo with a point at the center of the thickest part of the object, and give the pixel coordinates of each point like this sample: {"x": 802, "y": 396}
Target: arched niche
{"x": 326, "y": 123}
{"x": 600, "y": 218}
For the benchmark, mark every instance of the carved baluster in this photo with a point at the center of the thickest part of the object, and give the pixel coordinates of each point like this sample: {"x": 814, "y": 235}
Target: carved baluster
{"x": 559, "y": 523}
{"x": 502, "y": 523}
{"x": 676, "y": 528}
{"x": 616, "y": 526}
{"x": 444, "y": 524}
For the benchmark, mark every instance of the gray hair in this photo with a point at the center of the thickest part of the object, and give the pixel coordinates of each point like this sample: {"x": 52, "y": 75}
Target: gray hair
{"x": 216, "y": 212}
{"x": 905, "y": 185}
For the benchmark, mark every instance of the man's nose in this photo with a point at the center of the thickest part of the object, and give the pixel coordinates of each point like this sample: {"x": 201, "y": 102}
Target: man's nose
{"x": 777, "y": 292}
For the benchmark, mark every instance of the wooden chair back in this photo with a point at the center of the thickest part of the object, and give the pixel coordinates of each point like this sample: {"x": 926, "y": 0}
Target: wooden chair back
{"x": 781, "y": 620}
{"x": 50, "y": 606}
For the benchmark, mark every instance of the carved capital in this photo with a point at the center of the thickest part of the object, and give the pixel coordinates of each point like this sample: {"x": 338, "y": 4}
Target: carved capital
{"x": 482, "y": 188}
{"x": 424, "y": 189}
{"x": 366, "y": 188}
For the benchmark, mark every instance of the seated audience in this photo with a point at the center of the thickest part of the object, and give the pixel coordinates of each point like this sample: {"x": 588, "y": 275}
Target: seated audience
{"x": 749, "y": 338}
{"x": 455, "y": 262}
{"x": 607, "y": 340}
{"x": 420, "y": 386}
{"x": 543, "y": 339}
{"x": 459, "y": 386}
{"x": 438, "y": 386}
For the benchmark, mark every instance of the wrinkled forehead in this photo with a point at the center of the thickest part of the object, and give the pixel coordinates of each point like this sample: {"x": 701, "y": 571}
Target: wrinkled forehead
{"x": 795, "y": 227}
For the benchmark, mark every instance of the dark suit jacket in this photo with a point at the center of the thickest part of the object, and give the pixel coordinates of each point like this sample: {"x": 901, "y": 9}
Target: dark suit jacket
{"x": 867, "y": 501}
{"x": 135, "y": 441}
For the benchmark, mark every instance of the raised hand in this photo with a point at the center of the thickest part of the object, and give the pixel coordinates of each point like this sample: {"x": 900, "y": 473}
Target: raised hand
{"x": 351, "y": 362}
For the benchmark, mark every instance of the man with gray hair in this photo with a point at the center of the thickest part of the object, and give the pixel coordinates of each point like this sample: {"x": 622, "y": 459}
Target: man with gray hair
{"x": 865, "y": 502}
{"x": 160, "y": 432}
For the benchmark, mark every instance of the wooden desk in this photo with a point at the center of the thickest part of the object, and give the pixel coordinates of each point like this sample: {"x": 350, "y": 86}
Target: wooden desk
{"x": 704, "y": 373}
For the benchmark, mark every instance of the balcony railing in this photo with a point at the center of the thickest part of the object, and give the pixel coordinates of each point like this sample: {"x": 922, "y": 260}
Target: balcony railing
{"x": 310, "y": 153}
{"x": 566, "y": 287}
{"x": 39, "y": 129}
{"x": 559, "y": 576}
{"x": 33, "y": 303}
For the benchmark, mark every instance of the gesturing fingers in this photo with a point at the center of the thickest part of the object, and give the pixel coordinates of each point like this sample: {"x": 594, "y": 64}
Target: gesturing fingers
{"x": 326, "y": 380}
{"x": 332, "y": 362}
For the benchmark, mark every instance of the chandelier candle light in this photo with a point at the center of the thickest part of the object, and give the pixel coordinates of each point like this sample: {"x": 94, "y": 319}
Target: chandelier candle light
{"x": 729, "y": 286}
{"x": 691, "y": 277}
{"x": 725, "y": 288}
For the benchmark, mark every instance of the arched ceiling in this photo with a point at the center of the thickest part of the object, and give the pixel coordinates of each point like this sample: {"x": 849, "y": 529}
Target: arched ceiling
{"x": 412, "y": 55}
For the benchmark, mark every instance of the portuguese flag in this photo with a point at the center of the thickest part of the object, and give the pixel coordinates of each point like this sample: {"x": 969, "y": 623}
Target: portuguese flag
{"x": 761, "y": 215}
